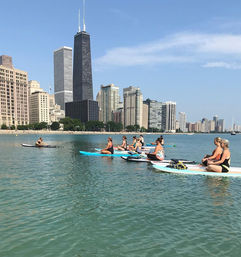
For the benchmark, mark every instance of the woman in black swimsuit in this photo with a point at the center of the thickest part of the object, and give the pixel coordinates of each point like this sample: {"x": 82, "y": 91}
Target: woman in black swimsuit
{"x": 224, "y": 163}
{"x": 109, "y": 148}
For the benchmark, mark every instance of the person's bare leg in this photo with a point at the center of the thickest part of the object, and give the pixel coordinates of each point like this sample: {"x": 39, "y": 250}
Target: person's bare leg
{"x": 214, "y": 168}
{"x": 105, "y": 152}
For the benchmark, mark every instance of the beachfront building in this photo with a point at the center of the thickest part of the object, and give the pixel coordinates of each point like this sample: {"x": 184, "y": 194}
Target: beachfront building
{"x": 169, "y": 117}
{"x": 63, "y": 74}
{"x": 14, "y": 94}
{"x": 108, "y": 99}
{"x": 182, "y": 121}
{"x": 55, "y": 112}
{"x": 211, "y": 125}
{"x": 154, "y": 114}
{"x": 221, "y": 127}
{"x": 118, "y": 115}
{"x": 39, "y": 107}
{"x": 133, "y": 106}
{"x": 145, "y": 116}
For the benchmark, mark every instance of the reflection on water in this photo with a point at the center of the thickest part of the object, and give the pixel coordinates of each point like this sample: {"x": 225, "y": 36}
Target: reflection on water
{"x": 218, "y": 190}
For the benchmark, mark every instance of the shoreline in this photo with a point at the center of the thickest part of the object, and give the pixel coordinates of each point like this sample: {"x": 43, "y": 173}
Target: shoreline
{"x": 52, "y": 132}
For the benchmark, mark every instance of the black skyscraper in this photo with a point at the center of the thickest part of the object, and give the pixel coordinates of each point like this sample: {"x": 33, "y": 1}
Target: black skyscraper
{"x": 83, "y": 106}
{"x": 82, "y": 74}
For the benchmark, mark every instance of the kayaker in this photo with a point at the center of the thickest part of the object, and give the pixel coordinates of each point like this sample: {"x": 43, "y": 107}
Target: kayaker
{"x": 123, "y": 147}
{"x": 216, "y": 155}
{"x": 109, "y": 148}
{"x": 158, "y": 154}
{"x": 223, "y": 164}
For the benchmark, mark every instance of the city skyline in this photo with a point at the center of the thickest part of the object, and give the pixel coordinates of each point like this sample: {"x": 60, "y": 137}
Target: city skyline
{"x": 191, "y": 56}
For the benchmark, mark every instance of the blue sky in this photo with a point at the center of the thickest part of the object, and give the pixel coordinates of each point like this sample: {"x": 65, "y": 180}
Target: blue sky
{"x": 175, "y": 50}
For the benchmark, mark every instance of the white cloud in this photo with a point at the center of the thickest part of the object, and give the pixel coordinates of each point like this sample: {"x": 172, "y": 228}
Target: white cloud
{"x": 178, "y": 48}
{"x": 226, "y": 65}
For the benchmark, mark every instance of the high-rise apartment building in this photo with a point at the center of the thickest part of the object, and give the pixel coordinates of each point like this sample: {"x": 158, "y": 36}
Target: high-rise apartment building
{"x": 108, "y": 99}
{"x": 169, "y": 117}
{"x": 14, "y": 109}
{"x": 145, "y": 115}
{"x": 154, "y": 114}
{"x": 133, "y": 106}
{"x": 221, "y": 126}
{"x": 39, "y": 107}
{"x": 83, "y": 106}
{"x": 215, "y": 119}
{"x": 63, "y": 76}
{"x": 182, "y": 121}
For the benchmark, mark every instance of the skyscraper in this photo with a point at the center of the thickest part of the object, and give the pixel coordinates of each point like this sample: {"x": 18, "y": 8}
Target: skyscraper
{"x": 154, "y": 114}
{"x": 182, "y": 121}
{"x": 169, "y": 116}
{"x": 63, "y": 74}
{"x": 133, "y": 106}
{"x": 82, "y": 74}
{"x": 83, "y": 106}
{"x": 108, "y": 99}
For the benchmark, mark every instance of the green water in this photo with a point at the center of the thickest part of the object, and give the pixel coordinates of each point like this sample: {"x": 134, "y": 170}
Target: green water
{"x": 54, "y": 202}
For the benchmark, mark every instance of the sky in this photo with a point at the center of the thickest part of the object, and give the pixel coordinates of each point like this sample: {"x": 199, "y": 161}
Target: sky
{"x": 184, "y": 51}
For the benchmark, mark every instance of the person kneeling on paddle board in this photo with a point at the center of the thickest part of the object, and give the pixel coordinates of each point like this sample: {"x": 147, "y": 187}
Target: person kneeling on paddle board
{"x": 223, "y": 164}
{"x": 158, "y": 154}
{"x": 109, "y": 148}
{"x": 216, "y": 155}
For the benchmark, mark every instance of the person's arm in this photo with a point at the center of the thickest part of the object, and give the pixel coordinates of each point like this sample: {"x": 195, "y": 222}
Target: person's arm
{"x": 224, "y": 156}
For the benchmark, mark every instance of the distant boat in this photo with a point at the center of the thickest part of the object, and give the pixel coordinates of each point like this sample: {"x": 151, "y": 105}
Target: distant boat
{"x": 233, "y": 133}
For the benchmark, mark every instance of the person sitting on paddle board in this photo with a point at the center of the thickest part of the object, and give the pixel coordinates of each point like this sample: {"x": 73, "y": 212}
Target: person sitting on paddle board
{"x": 109, "y": 148}
{"x": 133, "y": 145}
{"x": 138, "y": 146}
{"x": 40, "y": 142}
{"x": 216, "y": 155}
{"x": 142, "y": 140}
{"x": 223, "y": 164}
{"x": 158, "y": 154}
{"x": 123, "y": 147}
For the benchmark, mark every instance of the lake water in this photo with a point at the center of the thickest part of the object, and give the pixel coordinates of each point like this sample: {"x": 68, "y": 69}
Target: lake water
{"x": 54, "y": 202}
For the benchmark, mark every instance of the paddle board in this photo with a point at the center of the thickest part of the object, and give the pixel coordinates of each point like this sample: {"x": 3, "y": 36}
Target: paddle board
{"x": 43, "y": 146}
{"x": 145, "y": 159}
{"x": 100, "y": 154}
{"x": 198, "y": 171}
{"x": 115, "y": 151}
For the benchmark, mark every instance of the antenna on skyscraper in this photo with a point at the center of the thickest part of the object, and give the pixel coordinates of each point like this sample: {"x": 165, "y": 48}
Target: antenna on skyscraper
{"x": 79, "y": 22}
{"x": 83, "y": 15}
